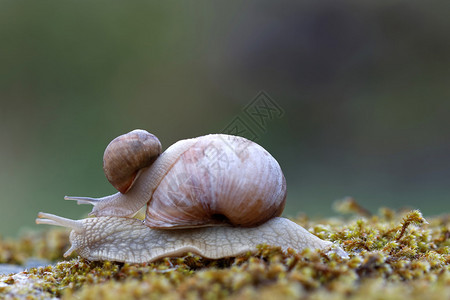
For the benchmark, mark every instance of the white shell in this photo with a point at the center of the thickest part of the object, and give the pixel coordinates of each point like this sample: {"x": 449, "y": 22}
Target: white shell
{"x": 218, "y": 179}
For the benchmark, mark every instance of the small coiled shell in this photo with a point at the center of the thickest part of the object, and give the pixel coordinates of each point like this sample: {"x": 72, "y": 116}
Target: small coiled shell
{"x": 126, "y": 155}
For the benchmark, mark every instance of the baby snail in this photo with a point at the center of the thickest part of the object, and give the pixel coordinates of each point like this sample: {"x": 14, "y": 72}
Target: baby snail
{"x": 216, "y": 195}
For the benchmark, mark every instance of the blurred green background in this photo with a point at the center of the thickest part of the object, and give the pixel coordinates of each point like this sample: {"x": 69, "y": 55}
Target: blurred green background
{"x": 364, "y": 86}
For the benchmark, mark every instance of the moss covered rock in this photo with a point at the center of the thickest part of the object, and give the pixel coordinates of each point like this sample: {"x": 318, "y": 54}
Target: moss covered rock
{"x": 392, "y": 255}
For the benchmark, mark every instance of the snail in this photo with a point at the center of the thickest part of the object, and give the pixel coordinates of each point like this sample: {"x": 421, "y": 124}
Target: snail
{"x": 216, "y": 195}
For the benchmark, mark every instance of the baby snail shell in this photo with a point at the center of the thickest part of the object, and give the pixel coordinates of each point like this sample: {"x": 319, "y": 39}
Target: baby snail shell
{"x": 126, "y": 155}
{"x": 220, "y": 195}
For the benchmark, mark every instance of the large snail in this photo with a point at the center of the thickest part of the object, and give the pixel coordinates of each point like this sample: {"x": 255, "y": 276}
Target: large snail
{"x": 216, "y": 195}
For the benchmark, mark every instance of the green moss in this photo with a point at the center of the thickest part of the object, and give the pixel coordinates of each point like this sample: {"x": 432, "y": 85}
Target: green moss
{"x": 50, "y": 245}
{"x": 392, "y": 255}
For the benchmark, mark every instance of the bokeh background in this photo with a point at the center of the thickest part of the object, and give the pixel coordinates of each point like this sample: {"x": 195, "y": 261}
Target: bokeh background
{"x": 364, "y": 88}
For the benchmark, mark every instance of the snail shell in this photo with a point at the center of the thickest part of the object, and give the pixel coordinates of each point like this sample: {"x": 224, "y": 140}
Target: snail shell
{"x": 126, "y": 155}
{"x": 219, "y": 179}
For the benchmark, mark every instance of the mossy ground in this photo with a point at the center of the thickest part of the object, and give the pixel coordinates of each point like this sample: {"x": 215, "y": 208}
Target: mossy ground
{"x": 393, "y": 255}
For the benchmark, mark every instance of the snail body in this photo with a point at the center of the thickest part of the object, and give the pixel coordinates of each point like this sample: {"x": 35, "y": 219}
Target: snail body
{"x": 216, "y": 195}
{"x": 128, "y": 240}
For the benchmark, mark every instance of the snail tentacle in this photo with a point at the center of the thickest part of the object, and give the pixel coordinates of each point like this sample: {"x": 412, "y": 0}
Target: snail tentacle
{"x": 83, "y": 200}
{"x": 50, "y": 219}
{"x": 113, "y": 205}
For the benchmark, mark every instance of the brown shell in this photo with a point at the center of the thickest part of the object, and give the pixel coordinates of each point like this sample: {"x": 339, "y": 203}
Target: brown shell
{"x": 219, "y": 179}
{"x": 126, "y": 155}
